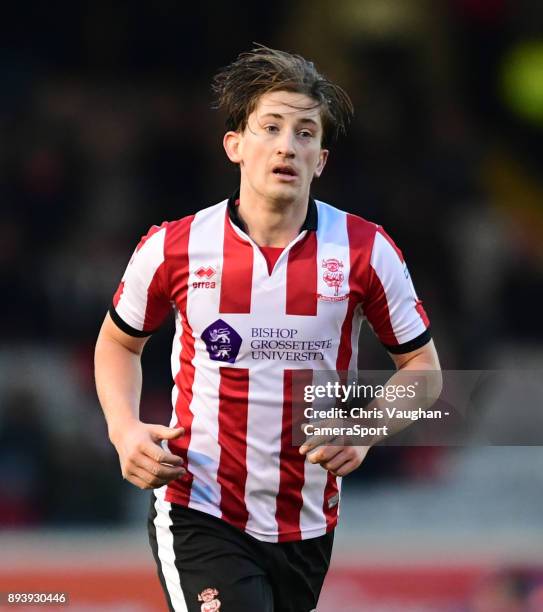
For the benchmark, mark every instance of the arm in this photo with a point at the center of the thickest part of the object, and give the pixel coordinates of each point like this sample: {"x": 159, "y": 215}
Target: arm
{"x": 396, "y": 315}
{"x": 143, "y": 461}
{"x": 341, "y": 460}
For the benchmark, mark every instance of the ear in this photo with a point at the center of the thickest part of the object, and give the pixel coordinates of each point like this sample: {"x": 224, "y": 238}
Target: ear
{"x": 232, "y": 145}
{"x": 323, "y": 156}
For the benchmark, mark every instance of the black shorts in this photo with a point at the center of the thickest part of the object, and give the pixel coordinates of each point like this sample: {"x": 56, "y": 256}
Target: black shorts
{"x": 202, "y": 560}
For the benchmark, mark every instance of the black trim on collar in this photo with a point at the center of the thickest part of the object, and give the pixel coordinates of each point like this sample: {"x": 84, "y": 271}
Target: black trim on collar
{"x": 310, "y": 224}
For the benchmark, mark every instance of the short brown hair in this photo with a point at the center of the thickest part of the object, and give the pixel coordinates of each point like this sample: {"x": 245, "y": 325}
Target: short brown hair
{"x": 239, "y": 85}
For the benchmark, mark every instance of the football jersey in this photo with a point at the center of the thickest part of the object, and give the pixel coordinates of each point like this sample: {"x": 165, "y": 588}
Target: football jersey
{"x": 241, "y": 335}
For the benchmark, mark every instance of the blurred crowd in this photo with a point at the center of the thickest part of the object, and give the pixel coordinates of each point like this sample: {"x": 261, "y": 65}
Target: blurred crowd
{"x": 106, "y": 127}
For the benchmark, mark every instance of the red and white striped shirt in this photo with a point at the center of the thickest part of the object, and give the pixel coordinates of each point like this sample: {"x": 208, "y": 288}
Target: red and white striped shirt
{"x": 240, "y": 334}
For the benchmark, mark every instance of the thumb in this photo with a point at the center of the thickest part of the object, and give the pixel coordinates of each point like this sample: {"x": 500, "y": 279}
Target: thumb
{"x": 161, "y": 432}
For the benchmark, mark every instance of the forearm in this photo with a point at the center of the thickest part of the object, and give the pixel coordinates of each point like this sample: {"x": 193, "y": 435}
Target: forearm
{"x": 118, "y": 383}
{"x": 424, "y": 377}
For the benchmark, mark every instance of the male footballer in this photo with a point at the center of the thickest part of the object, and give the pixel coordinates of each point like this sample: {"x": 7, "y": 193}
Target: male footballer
{"x": 264, "y": 284}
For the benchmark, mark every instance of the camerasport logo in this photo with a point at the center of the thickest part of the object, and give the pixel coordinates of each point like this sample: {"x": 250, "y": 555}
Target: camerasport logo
{"x": 204, "y": 274}
{"x": 333, "y": 276}
{"x": 222, "y": 341}
{"x": 209, "y": 597}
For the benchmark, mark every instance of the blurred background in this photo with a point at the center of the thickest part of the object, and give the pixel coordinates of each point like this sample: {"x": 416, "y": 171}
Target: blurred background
{"x": 106, "y": 127}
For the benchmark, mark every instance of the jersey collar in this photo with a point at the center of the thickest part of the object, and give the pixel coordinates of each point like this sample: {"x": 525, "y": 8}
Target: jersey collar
{"x": 311, "y": 219}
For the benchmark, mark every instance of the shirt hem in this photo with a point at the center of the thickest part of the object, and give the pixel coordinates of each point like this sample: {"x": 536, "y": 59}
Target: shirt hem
{"x": 275, "y": 537}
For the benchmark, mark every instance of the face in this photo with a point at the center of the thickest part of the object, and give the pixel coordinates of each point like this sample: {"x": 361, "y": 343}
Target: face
{"x": 279, "y": 151}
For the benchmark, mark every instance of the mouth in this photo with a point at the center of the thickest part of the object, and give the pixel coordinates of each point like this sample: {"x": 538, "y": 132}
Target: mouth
{"x": 284, "y": 171}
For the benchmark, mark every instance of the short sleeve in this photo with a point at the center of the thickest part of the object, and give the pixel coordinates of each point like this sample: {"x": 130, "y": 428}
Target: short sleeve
{"x": 142, "y": 302}
{"x": 391, "y": 304}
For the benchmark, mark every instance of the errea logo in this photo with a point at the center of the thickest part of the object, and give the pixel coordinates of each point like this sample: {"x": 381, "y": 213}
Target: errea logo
{"x": 204, "y": 274}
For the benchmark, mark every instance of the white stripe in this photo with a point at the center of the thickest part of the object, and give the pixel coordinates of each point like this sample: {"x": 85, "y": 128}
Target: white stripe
{"x": 205, "y": 249}
{"x": 332, "y": 243}
{"x": 263, "y": 452}
{"x": 355, "y": 335}
{"x": 204, "y": 450}
{"x": 137, "y": 278}
{"x": 312, "y": 517}
{"x": 406, "y": 322}
{"x": 166, "y": 553}
{"x": 177, "y": 346}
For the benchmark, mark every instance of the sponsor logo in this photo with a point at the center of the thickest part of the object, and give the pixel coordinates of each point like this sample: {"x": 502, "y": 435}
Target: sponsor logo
{"x": 333, "y": 276}
{"x": 222, "y": 341}
{"x": 282, "y": 344}
{"x": 204, "y": 273}
{"x": 209, "y": 597}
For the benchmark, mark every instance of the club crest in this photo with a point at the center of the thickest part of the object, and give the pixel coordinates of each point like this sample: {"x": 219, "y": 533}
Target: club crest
{"x": 333, "y": 276}
{"x": 209, "y": 597}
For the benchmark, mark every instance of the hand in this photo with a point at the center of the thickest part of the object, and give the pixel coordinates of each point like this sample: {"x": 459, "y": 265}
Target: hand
{"x": 338, "y": 460}
{"x": 143, "y": 461}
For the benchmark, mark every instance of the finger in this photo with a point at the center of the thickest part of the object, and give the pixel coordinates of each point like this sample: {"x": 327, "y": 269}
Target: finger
{"x": 346, "y": 468}
{"x": 160, "y": 455}
{"x": 137, "y": 481}
{"x": 161, "y": 432}
{"x": 336, "y": 462}
{"x": 150, "y": 481}
{"x": 313, "y": 442}
{"x": 158, "y": 469}
{"x": 323, "y": 454}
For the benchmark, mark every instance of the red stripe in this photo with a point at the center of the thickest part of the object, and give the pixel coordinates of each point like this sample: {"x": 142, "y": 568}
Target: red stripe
{"x": 418, "y": 306}
{"x": 302, "y": 277}
{"x": 153, "y": 230}
{"x": 232, "y": 472}
{"x": 422, "y": 313}
{"x": 291, "y": 463}
{"x": 177, "y": 260}
{"x": 237, "y": 272}
{"x": 377, "y": 312}
{"x": 118, "y": 294}
{"x": 366, "y": 286}
{"x": 361, "y": 235}
{"x": 157, "y": 308}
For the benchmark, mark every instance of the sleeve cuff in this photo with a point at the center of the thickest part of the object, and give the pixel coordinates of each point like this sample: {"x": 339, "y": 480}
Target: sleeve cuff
{"x": 412, "y": 345}
{"x": 123, "y": 326}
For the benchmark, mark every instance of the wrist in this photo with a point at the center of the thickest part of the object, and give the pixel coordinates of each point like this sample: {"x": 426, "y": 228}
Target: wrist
{"x": 120, "y": 426}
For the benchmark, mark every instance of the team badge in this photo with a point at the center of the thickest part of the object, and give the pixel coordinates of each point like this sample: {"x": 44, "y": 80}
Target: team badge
{"x": 333, "y": 276}
{"x": 209, "y": 597}
{"x": 222, "y": 341}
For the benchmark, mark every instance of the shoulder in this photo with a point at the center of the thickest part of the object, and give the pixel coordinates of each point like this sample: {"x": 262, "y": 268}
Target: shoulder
{"x": 176, "y": 232}
{"x": 361, "y": 232}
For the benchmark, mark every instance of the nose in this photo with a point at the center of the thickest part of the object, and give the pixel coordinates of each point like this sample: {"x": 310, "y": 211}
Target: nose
{"x": 285, "y": 145}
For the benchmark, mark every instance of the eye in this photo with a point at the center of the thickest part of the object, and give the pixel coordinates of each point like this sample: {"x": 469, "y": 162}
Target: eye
{"x": 271, "y": 129}
{"x": 305, "y": 134}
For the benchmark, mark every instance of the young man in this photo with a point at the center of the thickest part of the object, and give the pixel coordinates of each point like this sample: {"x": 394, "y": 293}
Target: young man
{"x": 264, "y": 284}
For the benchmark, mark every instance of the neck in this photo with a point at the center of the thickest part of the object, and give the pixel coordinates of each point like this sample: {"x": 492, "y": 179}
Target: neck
{"x": 271, "y": 222}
